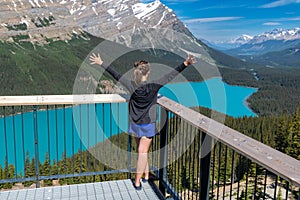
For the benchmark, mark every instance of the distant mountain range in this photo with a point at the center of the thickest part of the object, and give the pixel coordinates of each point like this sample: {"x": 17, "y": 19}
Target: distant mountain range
{"x": 278, "y": 47}
{"x": 246, "y": 44}
{"x": 275, "y": 40}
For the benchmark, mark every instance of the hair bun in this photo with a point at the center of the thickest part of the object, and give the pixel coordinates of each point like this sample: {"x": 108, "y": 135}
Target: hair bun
{"x": 141, "y": 69}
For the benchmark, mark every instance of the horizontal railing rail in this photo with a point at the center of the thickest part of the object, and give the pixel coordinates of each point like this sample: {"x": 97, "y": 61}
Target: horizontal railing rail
{"x": 61, "y": 99}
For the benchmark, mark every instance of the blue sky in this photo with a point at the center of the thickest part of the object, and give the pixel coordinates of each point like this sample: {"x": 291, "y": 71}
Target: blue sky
{"x": 221, "y": 20}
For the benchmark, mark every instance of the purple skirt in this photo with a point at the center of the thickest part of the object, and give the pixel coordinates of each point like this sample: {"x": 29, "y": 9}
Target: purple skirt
{"x": 140, "y": 130}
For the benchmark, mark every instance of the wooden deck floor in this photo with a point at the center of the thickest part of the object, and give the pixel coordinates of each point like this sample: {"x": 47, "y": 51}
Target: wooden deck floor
{"x": 122, "y": 189}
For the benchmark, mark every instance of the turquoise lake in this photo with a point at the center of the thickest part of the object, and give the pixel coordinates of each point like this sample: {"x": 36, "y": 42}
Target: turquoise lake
{"x": 81, "y": 127}
{"x": 214, "y": 94}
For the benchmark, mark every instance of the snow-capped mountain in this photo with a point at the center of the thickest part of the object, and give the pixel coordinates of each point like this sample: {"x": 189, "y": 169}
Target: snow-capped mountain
{"x": 243, "y": 39}
{"x": 275, "y": 40}
{"x": 278, "y": 47}
{"x": 276, "y": 34}
{"x": 59, "y": 19}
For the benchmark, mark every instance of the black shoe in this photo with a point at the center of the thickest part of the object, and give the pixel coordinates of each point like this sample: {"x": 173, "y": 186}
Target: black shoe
{"x": 145, "y": 180}
{"x": 137, "y": 187}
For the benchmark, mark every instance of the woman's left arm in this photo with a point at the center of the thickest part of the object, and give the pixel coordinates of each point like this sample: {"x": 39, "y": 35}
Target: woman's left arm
{"x": 170, "y": 76}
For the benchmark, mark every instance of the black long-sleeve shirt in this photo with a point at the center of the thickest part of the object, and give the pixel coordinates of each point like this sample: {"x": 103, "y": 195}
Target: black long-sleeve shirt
{"x": 143, "y": 97}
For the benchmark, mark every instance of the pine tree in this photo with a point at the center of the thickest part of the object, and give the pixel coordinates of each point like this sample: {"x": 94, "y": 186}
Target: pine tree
{"x": 281, "y": 138}
{"x": 79, "y": 166}
{"x": 293, "y": 148}
{"x": 279, "y": 197}
{"x": 70, "y": 169}
{"x": 62, "y": 168}
{"x": 9, "y": 173}
{"x": 242, "y": 197}
{"x": 29, "y": 170}
{"x": 26, "y": 167}
{"x": 184, "y": 178}
{"x": 241, "y": 168}
{"x": 45, "y": 170}
{"x": 53, "y": 168}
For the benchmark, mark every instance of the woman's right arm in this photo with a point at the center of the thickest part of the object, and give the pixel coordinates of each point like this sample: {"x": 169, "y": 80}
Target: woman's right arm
{"x": 96, "y": 59}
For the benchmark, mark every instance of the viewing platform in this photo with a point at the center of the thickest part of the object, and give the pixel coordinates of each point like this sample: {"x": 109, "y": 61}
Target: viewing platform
{"x": 110, "y": 190}
{"x": 80, "y": 141}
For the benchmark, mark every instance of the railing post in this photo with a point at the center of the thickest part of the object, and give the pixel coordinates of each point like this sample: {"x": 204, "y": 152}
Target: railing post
{"x": 163, "y": 150}
{"x": 36, "y": 147}
{"x": 129, "y": 156}
{"x": 206, "y": 142}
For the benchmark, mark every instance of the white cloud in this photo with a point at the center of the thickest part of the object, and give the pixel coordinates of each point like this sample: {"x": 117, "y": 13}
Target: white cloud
{"x": 294, "y": 19}
{"x": 279, "y": 3}
{"x": 280, "y": 20}
{"x": 271, "y": 24}
{"x": 288, "y": 19}
{"x": 212, "y": 19}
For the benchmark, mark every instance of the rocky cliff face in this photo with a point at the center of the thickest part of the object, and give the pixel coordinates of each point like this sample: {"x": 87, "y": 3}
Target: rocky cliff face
{"x": 116, "y": 20}
{"x": 37, "y": 20}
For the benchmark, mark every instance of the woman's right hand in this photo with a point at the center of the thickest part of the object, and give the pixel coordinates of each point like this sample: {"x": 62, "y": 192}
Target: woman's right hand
{"x": 96, "y": 59}
{"x": 190, "y": 60}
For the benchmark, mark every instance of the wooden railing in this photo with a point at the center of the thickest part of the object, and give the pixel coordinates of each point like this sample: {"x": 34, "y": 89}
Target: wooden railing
{"x": 46, "y": 132}
{"x": 265, "y": 170}
{"x": 207, "y": 161}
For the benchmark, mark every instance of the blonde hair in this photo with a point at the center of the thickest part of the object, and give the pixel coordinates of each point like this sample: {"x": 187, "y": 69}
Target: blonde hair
{"x": 141, "y": 69}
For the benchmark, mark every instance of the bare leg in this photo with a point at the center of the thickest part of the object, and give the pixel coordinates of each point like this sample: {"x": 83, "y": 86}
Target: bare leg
{"x": 142, "y": 163}
{"x": 147, "y": 170}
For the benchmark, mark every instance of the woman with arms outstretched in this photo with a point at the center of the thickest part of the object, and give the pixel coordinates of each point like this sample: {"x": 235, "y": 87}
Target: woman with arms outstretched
{"x": 142, "y": 106}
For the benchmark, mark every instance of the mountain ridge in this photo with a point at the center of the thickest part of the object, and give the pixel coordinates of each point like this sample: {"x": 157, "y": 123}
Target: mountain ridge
{"x": 42, "y": 19}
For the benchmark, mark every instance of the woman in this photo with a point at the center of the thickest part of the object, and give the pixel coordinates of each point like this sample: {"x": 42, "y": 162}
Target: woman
{"x": 142, "y": 106}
